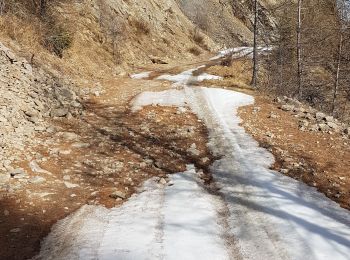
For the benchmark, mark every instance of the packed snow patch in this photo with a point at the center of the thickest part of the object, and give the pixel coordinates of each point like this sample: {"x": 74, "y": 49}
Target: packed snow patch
{"x": 142, "y": 75}
{"x": 187, "y": 77}
{"x": 181, "y": 78}
{"x": 240, "y": 52}
{"x": 206, "y": 76}
{"x": 172, "y": 97}
{"x": 177, "y": 221}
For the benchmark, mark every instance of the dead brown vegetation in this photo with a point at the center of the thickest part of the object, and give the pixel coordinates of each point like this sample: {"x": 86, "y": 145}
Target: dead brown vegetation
{"x": 195, "y": 51}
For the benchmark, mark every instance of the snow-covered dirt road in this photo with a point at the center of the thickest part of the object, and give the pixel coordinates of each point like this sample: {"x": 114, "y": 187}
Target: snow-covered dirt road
{"x": 255, "y": 214}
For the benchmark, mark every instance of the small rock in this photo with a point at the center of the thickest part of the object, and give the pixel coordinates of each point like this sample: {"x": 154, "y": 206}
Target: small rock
{"x": 143, "y": 165}
{"x": 181, "y": 110}
{"x": 59, "y": 112}
{"x": 320, "y": 116}
{"x": 70, "y": 185}
{"x": 314, "y": 128}
{"x": 6, "y": 212}
{"x": 271, "y": 135}
{"x": 64, "y": 152}
{"x": 287, "y": 107}
{"x": 118, "y": 195}
{"x": 193, "y": 150}
{"x": 37, "y": 180}
{"x": 15, "y": 230}
{"x": 205, "y": 160}
{"x": 256, "y": 110}
{"x": 158, "y": 164}
{"x": 323, "y": 127}
{"x": 329, "y": 119}
{"x": 284, "y": 171}
{"x": 18, "y": 172}
{"x": 51, "y": 130}
{"x": 68, "y": 136}
{"x": 162, "y": 181}
{"x": 33, "y": 119}
{"x": 334, "y": 126}
{"x": 272, "y": 115}
{"x": 80, "y": 145}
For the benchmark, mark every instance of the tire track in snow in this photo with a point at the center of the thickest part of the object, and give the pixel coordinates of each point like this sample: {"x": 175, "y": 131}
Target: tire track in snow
{"x": 221, "y": 145}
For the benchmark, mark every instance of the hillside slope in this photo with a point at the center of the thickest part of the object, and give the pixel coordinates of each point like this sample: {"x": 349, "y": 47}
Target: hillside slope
{"x": 103, "y": 38}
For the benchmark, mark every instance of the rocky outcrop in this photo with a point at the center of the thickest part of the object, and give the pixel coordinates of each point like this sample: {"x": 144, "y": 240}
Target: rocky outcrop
{"x": 311, "y": 119}
{"x": 29, "y": 98}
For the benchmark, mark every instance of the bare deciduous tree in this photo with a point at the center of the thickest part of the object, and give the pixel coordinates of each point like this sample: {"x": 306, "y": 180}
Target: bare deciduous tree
{"x": 255, "y": 46}
{"x": 299, "y": 50}
{"x": 2, "y": 7}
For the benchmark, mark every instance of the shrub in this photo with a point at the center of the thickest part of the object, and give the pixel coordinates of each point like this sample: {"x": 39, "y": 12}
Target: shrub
{"x": 141, "y": 26}
{"x": 198, "y": 37}
{"x": 195, "y": 51}
{"x": 58, "y": 40}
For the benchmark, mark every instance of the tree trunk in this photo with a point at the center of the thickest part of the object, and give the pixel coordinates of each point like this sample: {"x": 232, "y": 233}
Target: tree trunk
{"x": 336, "y": 84}
{"x": 299, "y": 50}
{"x": 342, "y": 13}
{"x": 2, "y": 7}
{"x": 255, "y": 47}
{"x": 43, "y": 7}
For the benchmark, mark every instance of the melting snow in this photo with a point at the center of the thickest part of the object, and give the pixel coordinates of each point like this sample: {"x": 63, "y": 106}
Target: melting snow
{"x": 269, "y": 215}
{"x": 240, "y": 52}
{"x": 162, "y": 222}
{"x": 142, "y": 75}
{"x": 187, "y": 77}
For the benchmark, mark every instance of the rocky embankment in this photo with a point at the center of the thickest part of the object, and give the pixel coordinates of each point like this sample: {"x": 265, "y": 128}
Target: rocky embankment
{"x": 29, "y": 98}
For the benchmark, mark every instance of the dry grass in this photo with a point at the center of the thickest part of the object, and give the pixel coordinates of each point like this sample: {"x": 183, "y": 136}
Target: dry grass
{"x": 21, "y": 31}
{"x": 141, "y": 26}
{"x": 238, "y": 75}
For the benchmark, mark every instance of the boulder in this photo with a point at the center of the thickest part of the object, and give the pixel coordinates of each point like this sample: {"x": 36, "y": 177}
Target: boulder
{"x": 59, "y": 112}
{"x": 320, "y": 116}
{"x": 323, "y": 127}
{"x": 287, "y": 107}
{"x": 118, "y": 195}
{"x": 334, "y": 126}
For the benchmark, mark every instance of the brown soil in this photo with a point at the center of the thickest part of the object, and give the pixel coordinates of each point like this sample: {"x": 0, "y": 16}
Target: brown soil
{"x": 324, "y": 159}
{"x": 115, "y": 149}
